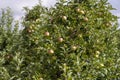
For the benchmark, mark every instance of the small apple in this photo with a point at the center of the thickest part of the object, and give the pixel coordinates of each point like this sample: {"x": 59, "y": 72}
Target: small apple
{"x": 47, "y": 33}
{"x": 98, "y": 41}
{"x": 102, "y": 65}
{"x": 50, "y": 51}
{"x": 37, "y": 20}
{"x": 29, "y": 30}
{"x": 108, "y": 24}
{"x": 41, "y": 78}
{"x": 97, "y": 52}
{"x": 32, "y": 30}
{"x": 86, "y": 19}
{"x": 35, "y": 28}
{"x": 64, "y": 17}
{"x": 82, "y": 12}
{"x": 80, "y": 35}
{"x": 60, "y": 39}
{"x": 96, "y": 55}
{"x": 73, "y": 48}
{"x": 78, "y": 10}
{"x": 31, "y": 27}
{"x": 8, "y": 56}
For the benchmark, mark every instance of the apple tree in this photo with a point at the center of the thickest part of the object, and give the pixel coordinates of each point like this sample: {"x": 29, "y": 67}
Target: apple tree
{"x": 74, "y": 40}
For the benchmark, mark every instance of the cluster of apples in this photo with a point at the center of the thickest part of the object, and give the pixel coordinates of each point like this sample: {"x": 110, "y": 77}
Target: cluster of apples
{"x": 60, "y": 40}
{"x": 82, "y": 12}
{"x": 97, "y": 53}
{"x": 31, "y": 29}
{"x": 79, "y": 11}
{"x": 51, "y": 51}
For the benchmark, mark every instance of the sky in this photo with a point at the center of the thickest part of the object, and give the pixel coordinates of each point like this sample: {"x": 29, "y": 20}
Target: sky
{"x": 17, "y": 6}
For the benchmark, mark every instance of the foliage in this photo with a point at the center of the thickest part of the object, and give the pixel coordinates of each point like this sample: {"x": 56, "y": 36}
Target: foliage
{"x": 10, "y": 40}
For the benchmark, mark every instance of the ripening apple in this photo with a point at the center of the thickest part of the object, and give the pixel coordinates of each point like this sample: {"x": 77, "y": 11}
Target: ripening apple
{"x": 50, "y": 51}
{"x": 60, "y": 39}
{"x": 47, "y": 33}
{"x": 78, "y": 10}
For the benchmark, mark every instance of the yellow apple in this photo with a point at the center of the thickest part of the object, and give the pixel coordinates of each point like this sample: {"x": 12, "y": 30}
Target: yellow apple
{"x": 41, "y": 78}
{"x": 64, "y": 17}
{"x": 97, "y": 52}
{"x": 102, "y": 65}
{"x": 96, "y": 55}
{"x": 86, "y": 19}
{"x": 74, "y": 48}
{"x": 31, "y": 27}
{"x": 82, "y": 12}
